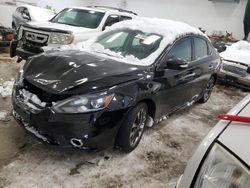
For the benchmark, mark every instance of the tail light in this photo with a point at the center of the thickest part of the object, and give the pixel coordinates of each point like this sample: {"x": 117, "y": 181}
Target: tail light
{"x": 10, "y": 37}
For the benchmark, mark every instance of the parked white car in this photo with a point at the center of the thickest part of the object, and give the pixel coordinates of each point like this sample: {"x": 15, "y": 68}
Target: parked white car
{"x": 223, "y": 158}
{"x": 70, "y": 26}
{"x": 235, "y": 64}
{"x": 28, "y": 13}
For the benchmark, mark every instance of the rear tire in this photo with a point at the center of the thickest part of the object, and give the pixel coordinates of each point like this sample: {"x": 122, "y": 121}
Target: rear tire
{"x": 208, "y": 90}
{"x": 131, "y": 131}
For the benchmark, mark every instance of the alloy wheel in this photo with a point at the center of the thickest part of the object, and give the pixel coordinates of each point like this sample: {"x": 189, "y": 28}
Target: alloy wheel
{"x": 138, "y": 127}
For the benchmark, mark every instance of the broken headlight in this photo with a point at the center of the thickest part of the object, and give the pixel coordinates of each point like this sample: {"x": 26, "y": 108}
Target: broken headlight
{"x": 61, "y": 38}
{"x": 222, "y": 169}
{"x": 83, "y": 103}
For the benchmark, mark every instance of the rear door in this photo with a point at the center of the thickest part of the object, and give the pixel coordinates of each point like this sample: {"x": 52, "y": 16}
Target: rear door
{"x": 202, "y": 65}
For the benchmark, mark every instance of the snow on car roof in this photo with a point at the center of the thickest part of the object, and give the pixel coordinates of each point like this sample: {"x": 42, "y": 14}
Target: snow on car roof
{"x": 239, "y": 52}
{"x": 169, "y": 29}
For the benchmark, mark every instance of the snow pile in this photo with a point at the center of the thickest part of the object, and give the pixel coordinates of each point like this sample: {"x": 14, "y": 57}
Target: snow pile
{"x": 239, "y": 52}
{"x": 6, "y": 88}
{"x": 3, "y": 115}
{"x": 30, "y": 99}
{"x": 169, "y": 29}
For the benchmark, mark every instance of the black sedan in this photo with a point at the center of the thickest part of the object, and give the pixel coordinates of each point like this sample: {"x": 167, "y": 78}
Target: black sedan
{"x": 136, "y": 73}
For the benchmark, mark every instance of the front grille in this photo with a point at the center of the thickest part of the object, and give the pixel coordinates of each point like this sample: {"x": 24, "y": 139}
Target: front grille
{"x": 33, "y": 41}
{"x": 234, "y": 69}
{"x": 43, "y": 95}
{"x": 38, "y": 38}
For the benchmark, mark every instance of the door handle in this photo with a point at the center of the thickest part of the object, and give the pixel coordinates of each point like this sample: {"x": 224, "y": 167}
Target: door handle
{"x": 211, "y": 67}
{"x": 188, "y": 76}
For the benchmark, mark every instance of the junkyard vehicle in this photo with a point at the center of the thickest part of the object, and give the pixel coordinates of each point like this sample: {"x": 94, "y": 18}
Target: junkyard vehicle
{"x": 137, "y": 72}
{"x": 70, "y": 26}
{"x": 235, "y": 63}
{"x": 222, "y": 159}
{"x": 6, "y": 35}
{"x": 28, "y": 13}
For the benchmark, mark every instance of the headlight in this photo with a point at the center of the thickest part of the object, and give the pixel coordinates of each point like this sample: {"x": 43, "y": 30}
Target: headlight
{"x": 1, "y": 37}
{"x": 61, "y": 38}
{"x": 84, "y": 103}
{"x": 222, "y": 169}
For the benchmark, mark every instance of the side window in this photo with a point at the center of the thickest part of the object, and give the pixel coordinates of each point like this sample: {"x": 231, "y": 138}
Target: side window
{"x": 200, "y": 48}
{"x": 20, "y": 10}
{"x": 25, "y": 14}
{"x": 182, "y": 50}
{"x": 112, "y": 19}
{"x": 123, "y": 18}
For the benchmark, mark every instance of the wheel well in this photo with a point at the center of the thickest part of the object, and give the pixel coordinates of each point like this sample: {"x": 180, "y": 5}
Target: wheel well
{"x": 215, "y": 77}
{"x": 151, "y": 107}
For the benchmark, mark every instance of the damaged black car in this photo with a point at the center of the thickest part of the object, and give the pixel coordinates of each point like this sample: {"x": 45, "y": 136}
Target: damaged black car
{"x": 106, "y": 92}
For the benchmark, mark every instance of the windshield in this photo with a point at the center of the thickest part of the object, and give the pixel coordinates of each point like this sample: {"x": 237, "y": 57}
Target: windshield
{"x": 127, "y": 43}
{"x": 80, "y": 18}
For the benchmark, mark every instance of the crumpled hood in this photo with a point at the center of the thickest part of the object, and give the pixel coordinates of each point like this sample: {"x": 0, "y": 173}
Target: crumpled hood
{"x": 75, "y": 72}
{"x": 64, "y": 27}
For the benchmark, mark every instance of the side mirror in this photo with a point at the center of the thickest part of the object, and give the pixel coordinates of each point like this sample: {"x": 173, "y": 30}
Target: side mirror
{"x": 174, "y": 63}
{"x": 25, "y": 16}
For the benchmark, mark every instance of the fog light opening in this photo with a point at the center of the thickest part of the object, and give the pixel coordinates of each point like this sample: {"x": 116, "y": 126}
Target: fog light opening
{"x": 76, "y": 142}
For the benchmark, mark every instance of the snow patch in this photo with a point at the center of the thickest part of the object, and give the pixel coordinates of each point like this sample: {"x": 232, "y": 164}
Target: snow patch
{"x": 239, "y": 52}
{"x": 3, "y": 115}
{"x": 30, "y": 99}
{"x": 6, "y": 88}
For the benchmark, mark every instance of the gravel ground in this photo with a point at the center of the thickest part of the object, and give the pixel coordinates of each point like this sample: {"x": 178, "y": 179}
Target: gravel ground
{"x": 158, "y": 161}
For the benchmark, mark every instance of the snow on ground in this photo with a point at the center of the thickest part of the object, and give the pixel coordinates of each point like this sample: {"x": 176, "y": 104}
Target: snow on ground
{"x": 239, "y": 52}
{"x": 3, "y": 115}
{"x": 6, "y": 88}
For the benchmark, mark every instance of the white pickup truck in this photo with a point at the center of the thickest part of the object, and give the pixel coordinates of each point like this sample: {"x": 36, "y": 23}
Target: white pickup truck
{"x": 70, "y": 26}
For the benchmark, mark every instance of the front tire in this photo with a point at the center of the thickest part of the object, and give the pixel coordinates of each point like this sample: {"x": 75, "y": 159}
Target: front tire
{"x": 208, "y": 90}
{"x": 132, "y": 128}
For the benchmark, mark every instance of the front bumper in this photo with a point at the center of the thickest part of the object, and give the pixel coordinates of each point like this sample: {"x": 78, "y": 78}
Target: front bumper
{"x": 95, "y": 130}
{"x": 233, "y": 79}
{"x": 16, "y": 49}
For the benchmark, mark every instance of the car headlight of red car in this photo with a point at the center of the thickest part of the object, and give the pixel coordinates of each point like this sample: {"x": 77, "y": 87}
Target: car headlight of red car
{"x": 222, "y": 169}
{"x": 83, "y": 103}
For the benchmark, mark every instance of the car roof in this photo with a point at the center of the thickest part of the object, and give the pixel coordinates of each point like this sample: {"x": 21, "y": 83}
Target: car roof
{"x": 236, "y": 137}
{"x": 107, "y": 9}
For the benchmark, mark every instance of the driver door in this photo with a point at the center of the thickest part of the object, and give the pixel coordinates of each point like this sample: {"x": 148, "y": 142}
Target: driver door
{"x": 176, "y": 82}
